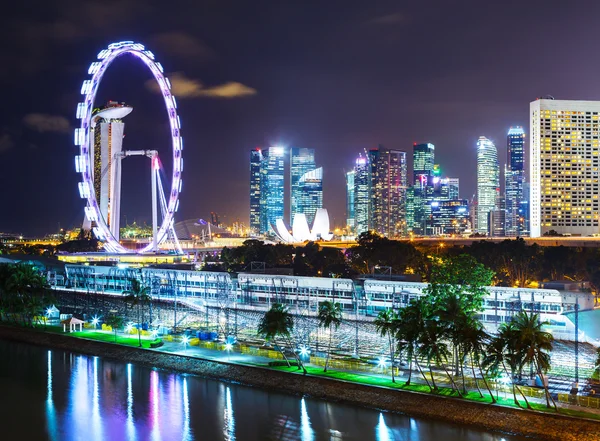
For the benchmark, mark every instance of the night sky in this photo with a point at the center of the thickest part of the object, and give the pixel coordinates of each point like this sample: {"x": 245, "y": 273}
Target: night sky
{"x": 336, "y": 76}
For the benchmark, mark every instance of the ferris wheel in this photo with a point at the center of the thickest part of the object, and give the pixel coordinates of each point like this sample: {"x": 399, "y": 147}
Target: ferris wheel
{"x": 99, "y": 138}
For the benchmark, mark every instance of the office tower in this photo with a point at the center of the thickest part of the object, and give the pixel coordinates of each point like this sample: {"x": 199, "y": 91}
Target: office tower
{"x": 453, "y": 188}
{"x": 488, "y": 182}
{"x": 423, "y": 174}
{"x": 564, "y": 167}
{"x": 107, "y": 130}
{"x": 267, "y": 189}
{"x": 410, "y": 210}
{"x": 309, "y": 196}
{"x": 496, "y": 222}
{"x": 449, "y": 217}
{"x": 423, "y": 157}
{"x": 524, "y": 211}
{"x": 350, "y": 200}
{"x": 256, "y": 159}
{"x": 514, "y": 175}
{"x": 388, "y": 191}
{"x": 362, "y": 195}
{"x": 306, "y": 184}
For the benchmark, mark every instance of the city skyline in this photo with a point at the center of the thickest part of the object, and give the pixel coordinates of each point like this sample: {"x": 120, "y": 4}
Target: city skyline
{"x": 338, "y": 91}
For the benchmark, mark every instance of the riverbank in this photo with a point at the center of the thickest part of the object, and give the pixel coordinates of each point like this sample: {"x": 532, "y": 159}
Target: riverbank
{"x": 536, "y": 424}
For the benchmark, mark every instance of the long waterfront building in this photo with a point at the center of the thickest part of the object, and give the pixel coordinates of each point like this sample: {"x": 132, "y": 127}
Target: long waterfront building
{"x": 362, "y": 301}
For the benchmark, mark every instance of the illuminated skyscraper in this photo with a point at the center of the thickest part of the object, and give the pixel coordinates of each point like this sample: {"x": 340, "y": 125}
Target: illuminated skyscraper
{"x": 388, "y": 191}
{"x": 271, "y": 188}
{"x": 423, "y": 161}
{"x": 362, "y": 195}
{"x": 514, "y": 175}
{"x": 306, "y": 184}
{"x": 350, "y": 199}
{"x": 488, "y": 182}
{"x": 256, "y": 159}
{"x": 422, "y": 192}
{"x": 564, "y": 167}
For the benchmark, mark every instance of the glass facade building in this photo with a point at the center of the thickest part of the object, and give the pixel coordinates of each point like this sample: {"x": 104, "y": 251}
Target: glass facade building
{"x": 256, "y": 159}
{"x": 514, "y": 178}
{"x": 350, "y": 200}
{"x": 488, "y": 182}
{"x": 449, "y": 217}
{"x": 306, "y": 184}
{"x": 388, "y": 191}
{"x": 362, "y": 195}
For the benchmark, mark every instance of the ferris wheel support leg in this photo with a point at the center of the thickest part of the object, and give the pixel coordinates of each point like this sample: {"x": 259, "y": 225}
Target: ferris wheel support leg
{"x": 154, "y": 207}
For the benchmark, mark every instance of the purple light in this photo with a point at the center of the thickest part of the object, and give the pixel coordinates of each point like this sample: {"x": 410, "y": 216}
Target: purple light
{"x": 89, "y": 89}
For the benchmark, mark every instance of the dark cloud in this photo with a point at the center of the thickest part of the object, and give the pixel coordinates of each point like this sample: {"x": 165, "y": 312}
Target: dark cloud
{"x": 6, "y": 142}
{"x": 184, "y": 87}
{"x": 42, "y": 123}
{"x": 389, "y": 19}
{"x": 182, "y": 45}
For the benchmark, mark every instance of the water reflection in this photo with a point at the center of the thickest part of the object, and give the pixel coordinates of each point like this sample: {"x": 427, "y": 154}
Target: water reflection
{"x": 306, "y": 431}
{"x": 130, "y": 424}
{"x": 381, "y": 431}
{"x": 187, "y": 435}
{"x": 154, "y": 417}
{"x": 76, "y": 397}
{"x": 50, "y": 410}
{"x": 228, "y": 419}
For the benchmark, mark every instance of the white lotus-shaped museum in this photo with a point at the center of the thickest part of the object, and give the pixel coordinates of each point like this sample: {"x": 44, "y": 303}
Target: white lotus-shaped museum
{"x": 300, "y": 230}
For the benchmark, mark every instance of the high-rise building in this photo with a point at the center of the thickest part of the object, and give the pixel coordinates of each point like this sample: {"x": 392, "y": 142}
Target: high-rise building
{"x": 449, "y": 216}
{"x": 350, "y": 200}
{"x": 362, "y": 195}
{"x": 388, "y": 191}
{"x": 453, "y": 188}
{"x": 488, "y": 182}
{"x": 514, "y": 175}
{"x": 309, "y": 196}
{"x": 564, "y": 167}
{"x": 423, "y": 175}
{"x": 423, "y": 158}
{"x": 306, "y": 184}
{"x": 256, "y": 159}
{"x": 105, "y": 155}
{"x": 272, "y": 188}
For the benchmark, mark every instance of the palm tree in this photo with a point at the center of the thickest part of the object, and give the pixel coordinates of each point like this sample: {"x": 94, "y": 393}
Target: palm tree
{"x": 330, "y": 314}
{"x": 115, "y": 322}
{"x": 473, "y": 341}
{"x": 28, "y": 288}
{"x": 410, "y": 324}
{"x": 504, "y": 353}
{"x": 536, "y": 344}
{"x": 387, "y": 325}
{"x": 278, "y": 322}
{"x": 138, "y": 296}
{"x": 433, "y": 348}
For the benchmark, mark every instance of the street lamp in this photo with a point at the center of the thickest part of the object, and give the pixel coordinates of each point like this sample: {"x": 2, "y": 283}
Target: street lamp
{"x": 95, "y": 321}
{"x": 185, "y": 340}
{"x": 304, "y": 351}
{"x": 381, "y": 363}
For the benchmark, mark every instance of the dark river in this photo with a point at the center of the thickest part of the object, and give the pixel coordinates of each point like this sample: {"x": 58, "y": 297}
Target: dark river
{"x": 56, "y": 395}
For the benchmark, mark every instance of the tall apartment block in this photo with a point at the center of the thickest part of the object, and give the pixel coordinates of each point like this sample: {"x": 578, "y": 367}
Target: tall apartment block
{"x": 564, "y": 144}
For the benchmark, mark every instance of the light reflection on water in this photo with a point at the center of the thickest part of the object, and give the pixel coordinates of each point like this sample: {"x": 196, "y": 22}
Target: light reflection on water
{"x": 89, "y": 398}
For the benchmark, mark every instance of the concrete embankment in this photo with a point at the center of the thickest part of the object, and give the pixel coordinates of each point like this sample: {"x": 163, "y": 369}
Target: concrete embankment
{"x": 545, "y": 426}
